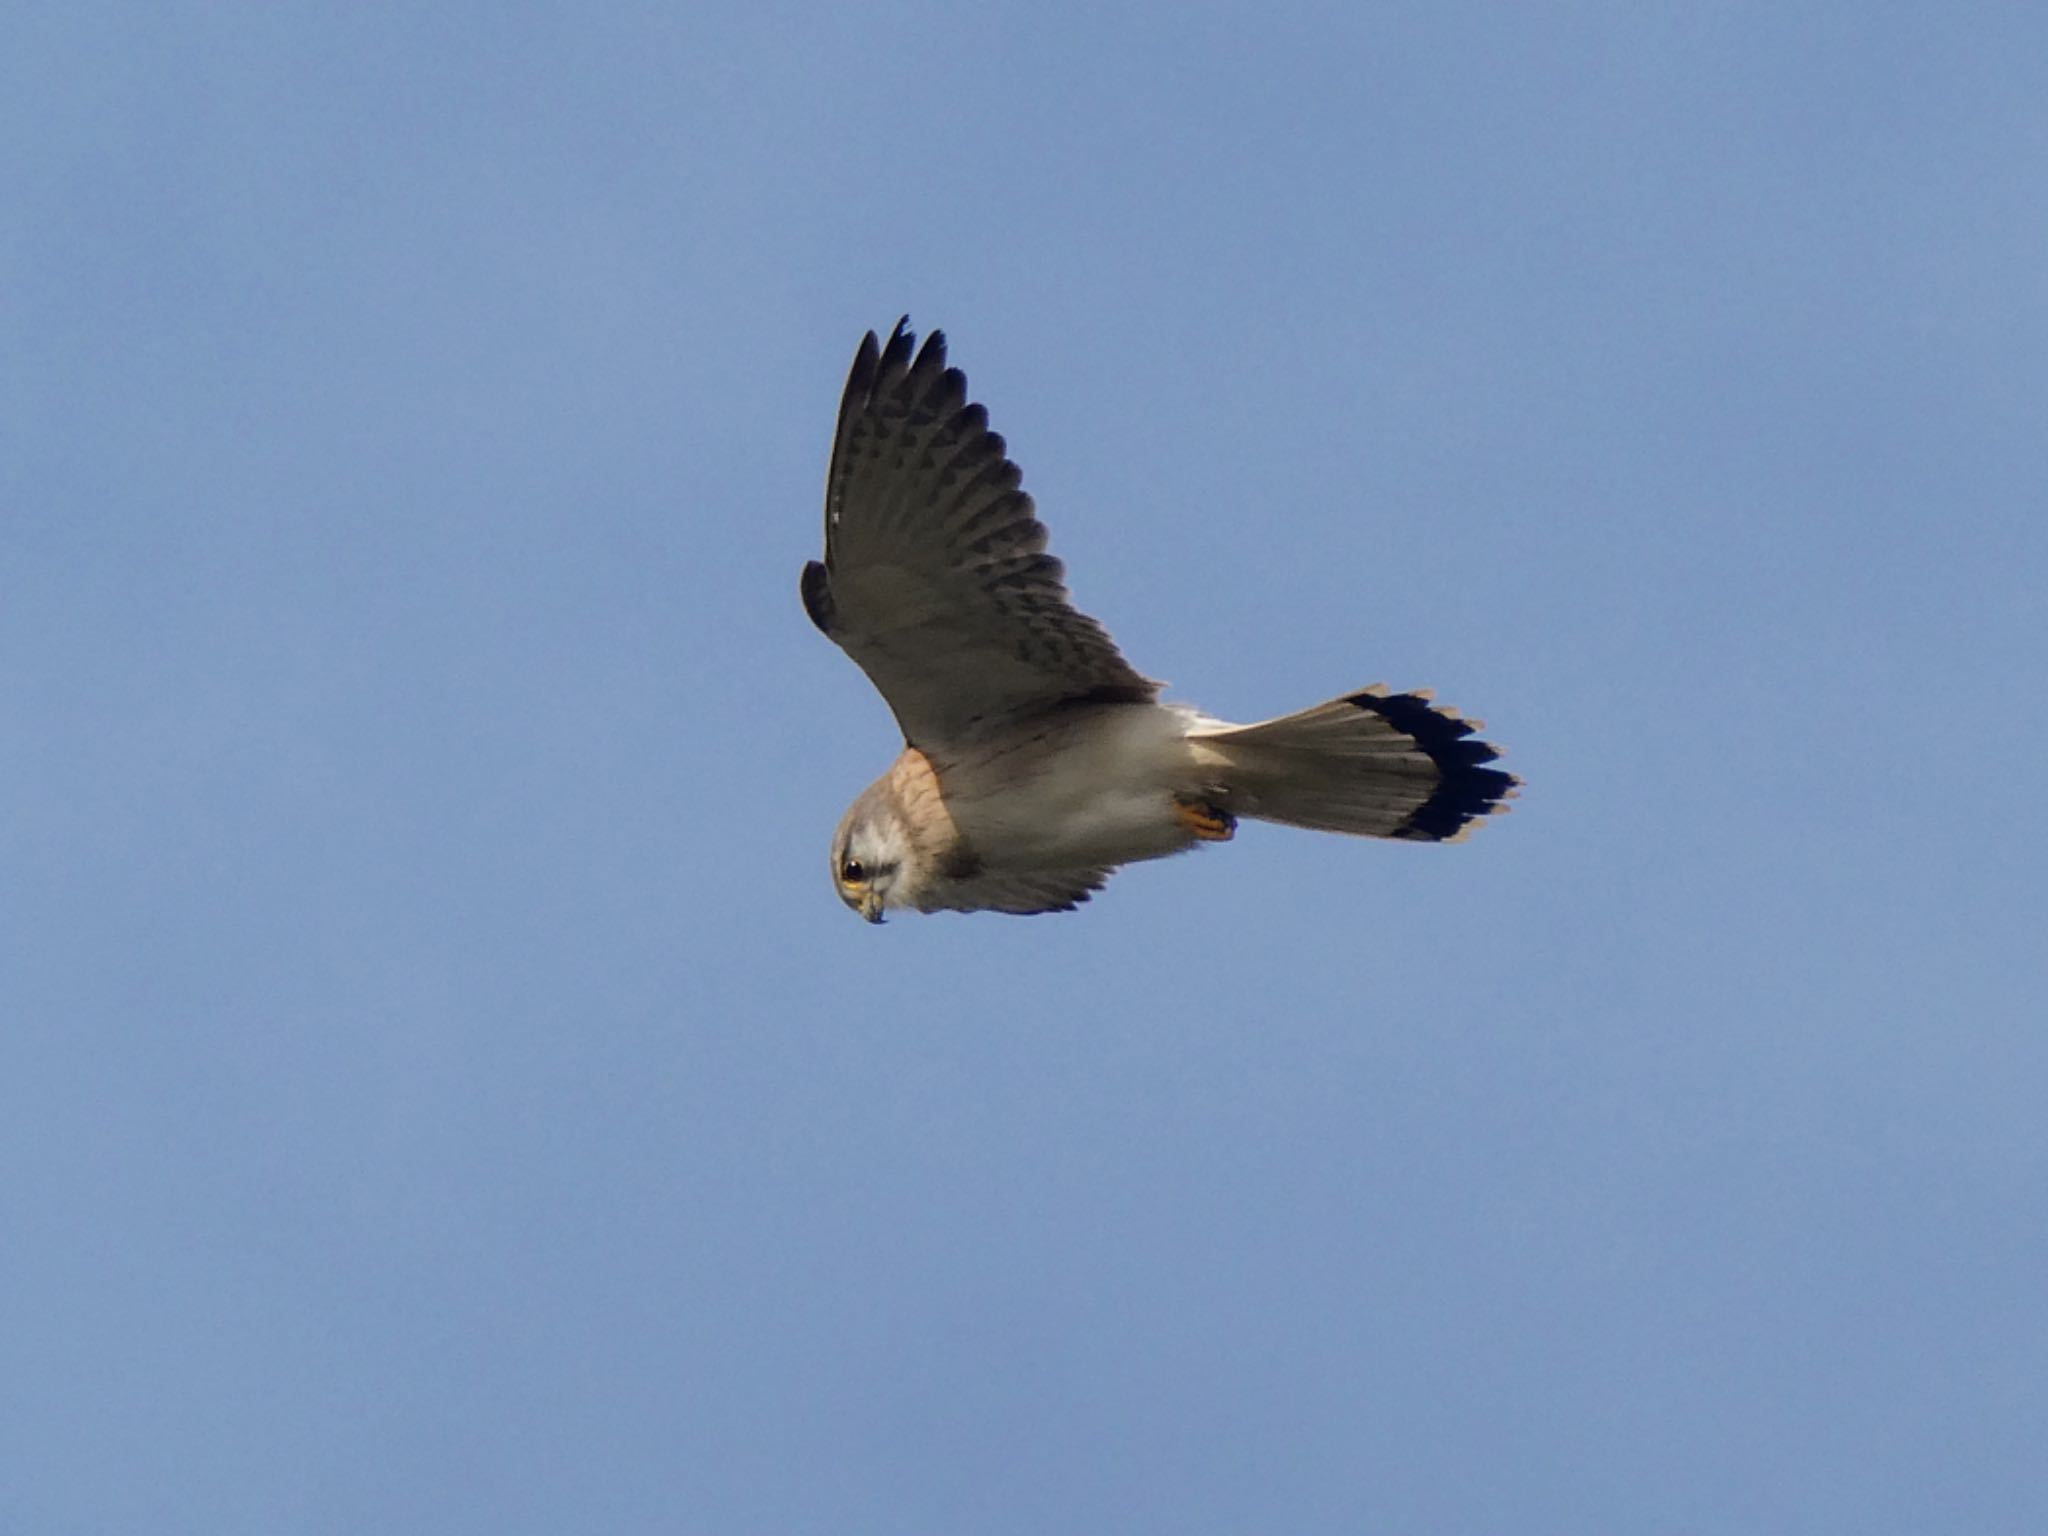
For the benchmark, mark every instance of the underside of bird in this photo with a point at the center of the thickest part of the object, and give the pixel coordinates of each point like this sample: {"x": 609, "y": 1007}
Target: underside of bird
{"x": 1044, "y": 820}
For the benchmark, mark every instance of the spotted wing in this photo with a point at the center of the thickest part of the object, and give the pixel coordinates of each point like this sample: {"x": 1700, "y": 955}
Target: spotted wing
{"x": 936, "y": 579}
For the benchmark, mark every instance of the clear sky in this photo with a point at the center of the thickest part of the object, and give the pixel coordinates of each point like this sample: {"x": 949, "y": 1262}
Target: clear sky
{"x": 439, "y": 1089}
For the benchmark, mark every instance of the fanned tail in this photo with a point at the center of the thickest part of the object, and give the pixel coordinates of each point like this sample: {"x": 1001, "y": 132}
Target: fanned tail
{"x": 1373, "y": 763}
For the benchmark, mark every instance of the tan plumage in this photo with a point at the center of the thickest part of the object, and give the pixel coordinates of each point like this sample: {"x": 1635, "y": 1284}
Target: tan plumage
{"x": 1036, "y": 758}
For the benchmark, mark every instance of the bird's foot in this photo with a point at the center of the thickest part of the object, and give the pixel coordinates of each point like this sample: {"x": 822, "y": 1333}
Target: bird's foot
{"x": 1207, "y": 822}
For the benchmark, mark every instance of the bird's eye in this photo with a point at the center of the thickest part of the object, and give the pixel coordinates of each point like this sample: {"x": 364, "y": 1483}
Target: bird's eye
{"x": 853, "y": 872}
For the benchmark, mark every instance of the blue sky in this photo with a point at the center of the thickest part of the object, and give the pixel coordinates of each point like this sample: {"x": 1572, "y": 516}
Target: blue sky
{"x": 439, "y": 1090}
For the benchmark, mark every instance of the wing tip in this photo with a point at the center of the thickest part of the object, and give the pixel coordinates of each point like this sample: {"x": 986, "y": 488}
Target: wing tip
{"x": 815, "y": 588}
{"x": 880, "y": 365}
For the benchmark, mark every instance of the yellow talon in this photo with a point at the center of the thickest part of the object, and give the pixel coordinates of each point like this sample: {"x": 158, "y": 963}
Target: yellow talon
{"x": 1204, "y": 820}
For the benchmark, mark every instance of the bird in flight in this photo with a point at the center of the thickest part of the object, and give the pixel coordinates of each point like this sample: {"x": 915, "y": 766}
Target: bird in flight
{"x": 1036, "y": 760}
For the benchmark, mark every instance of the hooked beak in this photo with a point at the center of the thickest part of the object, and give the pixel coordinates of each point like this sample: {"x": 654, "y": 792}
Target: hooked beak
{"x": 871, "y": 905}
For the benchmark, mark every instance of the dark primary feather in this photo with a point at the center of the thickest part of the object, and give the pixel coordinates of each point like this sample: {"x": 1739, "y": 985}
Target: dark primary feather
{"x": 936, "y": 579}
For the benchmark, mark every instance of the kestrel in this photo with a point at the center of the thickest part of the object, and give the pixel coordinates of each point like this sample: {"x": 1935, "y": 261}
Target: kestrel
{"x": 1035, "y": 760}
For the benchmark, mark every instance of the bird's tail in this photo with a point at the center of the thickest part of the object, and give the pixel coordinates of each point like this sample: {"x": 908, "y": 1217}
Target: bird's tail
{"x": 1373, "y": 763}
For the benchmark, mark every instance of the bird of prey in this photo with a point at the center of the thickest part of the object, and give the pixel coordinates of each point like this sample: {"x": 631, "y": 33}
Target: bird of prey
{"x": 1035, "y": 759}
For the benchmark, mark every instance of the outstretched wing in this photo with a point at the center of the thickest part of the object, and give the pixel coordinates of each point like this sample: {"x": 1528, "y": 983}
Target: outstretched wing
{"x": 1020, "y": 894}
{"x": 935, "y": 579}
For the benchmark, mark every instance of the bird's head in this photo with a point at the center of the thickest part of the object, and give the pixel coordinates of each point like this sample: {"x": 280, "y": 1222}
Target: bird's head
{"x": 873, "y": 862}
